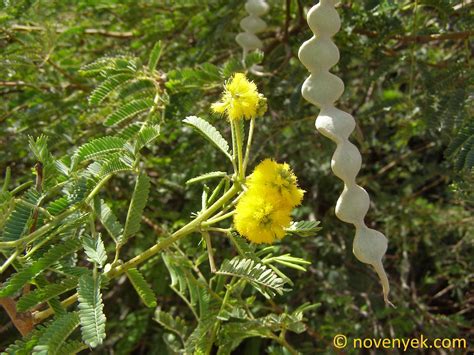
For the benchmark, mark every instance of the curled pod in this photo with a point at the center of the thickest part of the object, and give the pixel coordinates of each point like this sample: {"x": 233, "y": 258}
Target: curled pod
{"x": 322, "y": 88}
{"x": 252, "y": 25}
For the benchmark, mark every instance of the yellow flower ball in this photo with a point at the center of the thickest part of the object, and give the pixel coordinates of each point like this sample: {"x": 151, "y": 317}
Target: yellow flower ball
{"x": 240, "y": 99}
{"x": 277, "y": 177}
{"x": 261, "y": 218}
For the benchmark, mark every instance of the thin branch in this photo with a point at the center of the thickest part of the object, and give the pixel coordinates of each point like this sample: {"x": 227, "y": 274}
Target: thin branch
{"x": 420, "y": 38}
{"x": 287, "y": 20}
{"x": 87, "y": 31}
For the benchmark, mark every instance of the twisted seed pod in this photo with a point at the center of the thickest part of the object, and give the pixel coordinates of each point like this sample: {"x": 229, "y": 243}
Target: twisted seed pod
{"x": 251, "y": 25}
{"x": 322, "y": 89}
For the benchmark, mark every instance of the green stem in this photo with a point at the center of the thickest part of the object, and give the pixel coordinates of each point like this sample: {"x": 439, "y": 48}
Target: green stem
{"x": 217, "y": 325}
{"x": 282, "y": 341}
{"x": 218, "y": 219}
{"x": 32, "y": 206}
{"x": 234, "y": 147}
{"x": 40, "y": 316}
{"x": 219, "y": 230}
{"x": 185, "y": 300}
{"x": 249, "y": 144}
{"x": 21, "y": 187}
{"x": 8, "y": 175}
{"x": 7, "y": 263}
{"x": 216, "y": 191}
{"x": 96, "y": 189}
{"x": 210, "y": 252}
{"x": 187, "y": 229}
{"x": 239, "y": 140}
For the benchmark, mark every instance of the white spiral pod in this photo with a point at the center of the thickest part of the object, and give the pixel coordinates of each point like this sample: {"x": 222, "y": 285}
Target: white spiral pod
{"x": 252, "y": 25}
{"x": 319, "y": 54}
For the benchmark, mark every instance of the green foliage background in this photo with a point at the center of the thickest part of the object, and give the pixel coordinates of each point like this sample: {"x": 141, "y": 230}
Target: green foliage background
{"x": 409, "y": 91}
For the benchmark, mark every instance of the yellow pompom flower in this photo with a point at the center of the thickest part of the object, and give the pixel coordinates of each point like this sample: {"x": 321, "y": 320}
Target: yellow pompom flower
{"x": 279, "y": 179}
{"x": 240, "y": 99}
{"x": 261, "y": 218}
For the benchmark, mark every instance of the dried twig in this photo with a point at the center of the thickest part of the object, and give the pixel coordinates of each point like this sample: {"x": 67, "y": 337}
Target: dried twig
{"x": 22, "y": 321}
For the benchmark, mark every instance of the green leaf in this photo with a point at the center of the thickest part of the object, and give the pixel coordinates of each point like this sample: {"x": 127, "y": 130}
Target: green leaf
{"x": 139, "y": 88}
{"x": 289, "y": 261}
{"x": 39, "y": 147}
{"x": 108, "y": 219}
{"x": 230, "y": 67}
{"x": 72, "y": 347}
{"x": 264, "y": 279}
{"x": 253, "y": 58}
{"x": 128, "y": 110}
{"x": 303, "y": 228}
{"x": 57, "y": 307}
{"x": 232, "y": 333}
{"x": 96, "y": 66}
{"x": 56, "y": 334}
{"x": 199, "y": 340}
{"x": 155, "y": 56}
{"x": 209, "y": 132}
{"x": 41, "y": 295}
{"x": 91, "y": 310}
{"x": 55, "y": 253}
{"x": 95, "y": 250}
{"x": 100, "y": 147}
{"x": 183, "y": 282}
{"x": 176, "y": 325}
{"x": 114, "y": 164}
{"x": 107, "y": 66}
{"x": 137, "y": 205}
{"x": 210, "y": 72}
{"x": 207, "y": 176}
{"x": 25, "y": 345}
{"x": 59, "y": 205}
{"x": 141, "y": 286}
{"x": 16, "y": 224}
{"x": 107, "y": 87}
{"x": 243, "y": 247}
{"x": 146, "y": 135}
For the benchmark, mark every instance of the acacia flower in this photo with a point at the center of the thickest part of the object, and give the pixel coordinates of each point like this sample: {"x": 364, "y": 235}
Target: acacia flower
{"x": 240, "y": 99}
{"x": 276, "y": 178}
{"x": 260, "y": 218}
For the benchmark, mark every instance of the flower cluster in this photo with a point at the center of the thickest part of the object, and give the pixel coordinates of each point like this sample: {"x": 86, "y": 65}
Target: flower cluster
{"x": 241, "y": 99}
{"x": 263, "y": 212}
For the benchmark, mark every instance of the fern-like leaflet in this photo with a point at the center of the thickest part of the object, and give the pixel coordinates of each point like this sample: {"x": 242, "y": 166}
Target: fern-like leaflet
{"x": 56, "y": 334}
{"x": 91, "y": 310}
{"x": 55, "y": 253}
{"x": 16, "y": 223}
{"x": 100, "y": 147}
{"x": 44, "y": 294}
{"x": 137, "y": 205}
{"x": 264, "y": 279}
{"x": 128, "y": 110}
{"x": 142, "y": 287}
{"x": 209, "y": 132}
